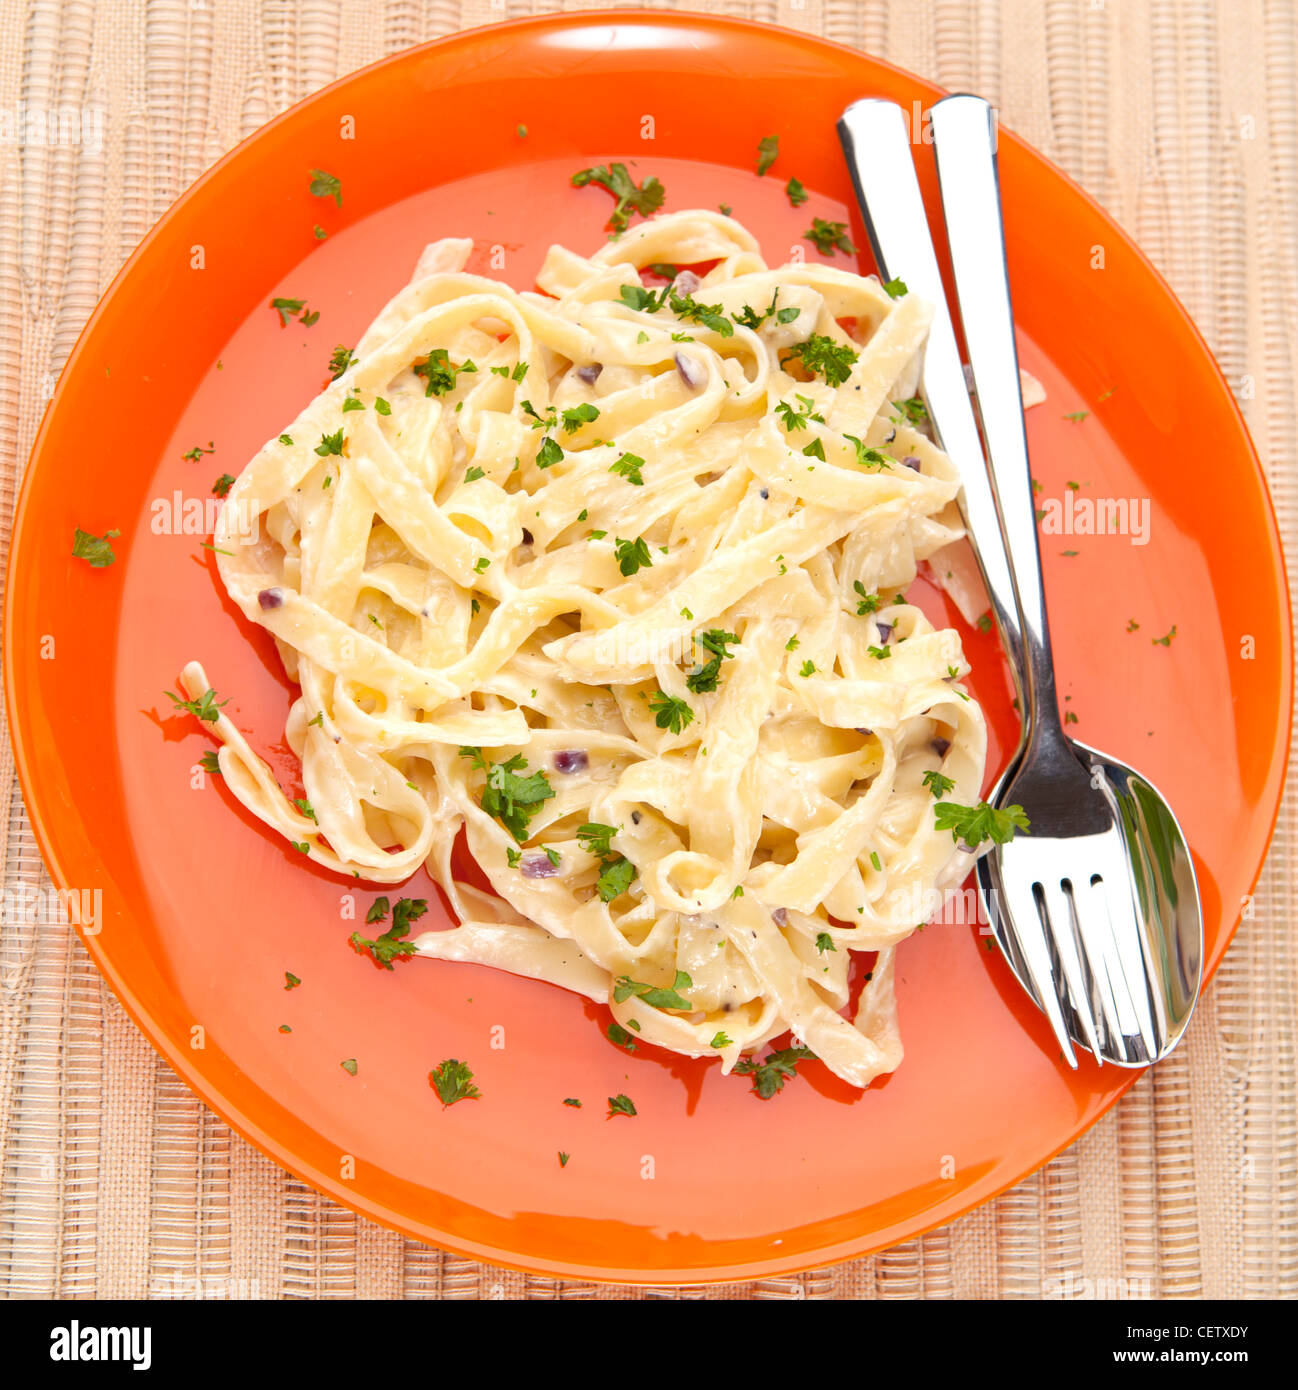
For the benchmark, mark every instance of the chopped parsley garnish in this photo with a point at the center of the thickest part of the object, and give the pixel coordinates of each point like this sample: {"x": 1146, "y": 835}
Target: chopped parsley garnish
{"x": 579, "y": 415}
{"x": 596, "y": 838}
{"x": 620, "y": 1105}
{"x": 291, "y": 981}
{"x": 822, "y": 356}
{"x": 294, "y": 308}
{"x": 516, "y": 374}
{"x": 825, "y": 942}
{"x": 984, "y": 623}
{"x": 750, "y": 318}
{"x": 453, "y": 1081}
{"x": 866, "y": 456}
{"x": 473, "y": 474}
{"x": 205, "y": 707}
{"x": 618, "y": 1035}
{"x": 721, "y": 1040}
{"x": 875, "y": 862}
{"x": 1166, "y": 639}
{"x": 869, "y": 602}
{"x": 808, "y": 668}
{"x": 709, "y": 315}
{"x": 645, "y": 198}
{"x": 769, "y": 1076}
{"x": 223, "y": 484}
{"x": 616, "y": 877}
{"x": 895, "y": 288}
{"x": 704, "y": 679}
{"x": 540, "y": 422}
{"x": 974, "y": 824}
{"x": 646, "y": 301}
{"x": 305, "y": 807}
{"x": 828, "y": 237}
{"x": 209, "y": 762}
{"x": 342, "y": 358}
{"x": 913, "y": 411}
{"x": 97, "y": 551}
{"x": 353, "y": 403}
{"x": 670, "y": 712}
{"x": 880, "y": 653}
{"x": 632, "y": 556}
{"x": 796, "y": 194}
{"x": 573, "y": 1101}
{"x": 563, "y": 1157}
{"x": 349, "y": 1066}
{"x": 768, "y": 150}
{"x": 815, "y": 450}
{"x": 330, "y": 443}
{"x": 390, "y": 946}
{"x": 1077, "y": 416}
{"x": 938, "y": 784}
{"x": 629, "y": 466}
{"x": 193, "y": 455}
{"x": 549, "y": 453}
{"x": 325, "y": 185}
{"x": 439, "y": 372}
{"x": 797, "y": 419}
{"x": 512, "y": 799}
{"x": 655, "y": 996}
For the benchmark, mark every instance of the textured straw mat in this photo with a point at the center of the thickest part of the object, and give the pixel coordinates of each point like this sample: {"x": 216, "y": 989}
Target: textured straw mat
{"x": 1179, "y": 116}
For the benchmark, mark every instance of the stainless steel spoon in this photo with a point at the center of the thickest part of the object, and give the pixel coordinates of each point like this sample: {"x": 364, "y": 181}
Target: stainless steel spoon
{"x": 1105, "y": 865}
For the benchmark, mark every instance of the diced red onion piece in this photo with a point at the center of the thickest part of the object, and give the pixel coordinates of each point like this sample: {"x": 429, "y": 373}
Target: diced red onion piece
{"x": 686, "y": 282}
{"x": 271, "y": 598}
{"x": 780, "y": 916}
{"x": 691, "y": 373}
{"x": 911, "y": 462}
{"x": 865, "y": 732}
{"x": 571, "y": 760}
{"x": 885, "y": 631}
{"x": 590, "y": 372}
{"x": 941, "y": 746}
{"x": 538, "y": 866}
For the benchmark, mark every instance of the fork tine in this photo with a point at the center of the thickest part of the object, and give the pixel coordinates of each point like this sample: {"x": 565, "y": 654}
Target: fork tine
{"x": 1096, "y": 935}
{"x": 1023, "y": 915}
{"x": 1061, "y": 912}
{"x": 1114, "y": 893}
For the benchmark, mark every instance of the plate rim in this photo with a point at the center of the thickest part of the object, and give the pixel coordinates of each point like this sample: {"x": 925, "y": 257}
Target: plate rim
{"x": 232, "y": 1112}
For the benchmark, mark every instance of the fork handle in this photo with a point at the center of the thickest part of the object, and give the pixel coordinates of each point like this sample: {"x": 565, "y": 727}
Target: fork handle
{"x": 964, "y": 147}
{"x": 876, "y": 143}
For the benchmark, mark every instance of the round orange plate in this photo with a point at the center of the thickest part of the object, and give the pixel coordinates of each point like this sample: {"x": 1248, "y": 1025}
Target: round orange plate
{"x": 203, "y": 912}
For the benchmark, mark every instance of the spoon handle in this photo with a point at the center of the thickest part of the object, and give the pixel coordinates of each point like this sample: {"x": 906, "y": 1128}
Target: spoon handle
{"x": 964, "y": 146}
{"x": 876, "y": 143}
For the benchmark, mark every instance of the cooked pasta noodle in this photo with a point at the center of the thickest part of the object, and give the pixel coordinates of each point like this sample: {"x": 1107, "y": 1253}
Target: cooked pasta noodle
{"x": 611, "y": 578}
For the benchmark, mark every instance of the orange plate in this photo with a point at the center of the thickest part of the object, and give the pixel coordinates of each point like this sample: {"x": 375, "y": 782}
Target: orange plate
{"x": 203, "y": 911}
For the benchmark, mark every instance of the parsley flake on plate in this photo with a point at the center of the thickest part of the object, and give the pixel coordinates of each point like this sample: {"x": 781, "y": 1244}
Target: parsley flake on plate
{"x": 325, "y": 185}
{"x": 453, "y": 1081}
{"x": 645, "y": 198}
{"x": 96, "y": 551}
{"x": 770, "y": 1075}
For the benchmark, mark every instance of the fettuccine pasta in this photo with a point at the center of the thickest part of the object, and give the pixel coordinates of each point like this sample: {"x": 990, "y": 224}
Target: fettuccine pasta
{"x": 611, "y": 578}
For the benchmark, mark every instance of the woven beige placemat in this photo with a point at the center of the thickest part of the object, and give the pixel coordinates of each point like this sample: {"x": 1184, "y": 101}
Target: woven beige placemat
{"x": 1179, "y": 116}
